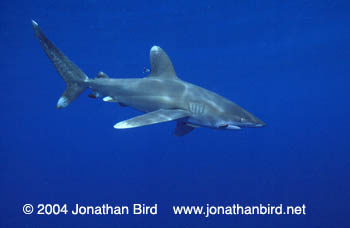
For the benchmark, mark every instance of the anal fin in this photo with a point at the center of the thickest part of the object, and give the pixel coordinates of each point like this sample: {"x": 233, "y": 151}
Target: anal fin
{"x": 109, "y": 99}
{"x": 112, "y": 99}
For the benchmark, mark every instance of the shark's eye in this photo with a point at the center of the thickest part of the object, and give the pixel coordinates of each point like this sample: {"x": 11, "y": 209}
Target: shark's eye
{"x": 242, "y": 119}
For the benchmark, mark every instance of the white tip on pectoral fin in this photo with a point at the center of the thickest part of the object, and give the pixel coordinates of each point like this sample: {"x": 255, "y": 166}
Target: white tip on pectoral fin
{"x": 122, "y": 125}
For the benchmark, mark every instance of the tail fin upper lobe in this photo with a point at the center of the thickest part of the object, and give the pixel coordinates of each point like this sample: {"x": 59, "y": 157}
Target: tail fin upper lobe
{"x": 74, "y": 77}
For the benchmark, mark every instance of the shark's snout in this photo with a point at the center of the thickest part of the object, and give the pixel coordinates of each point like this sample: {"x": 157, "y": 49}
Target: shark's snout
{"x": 248, "y": 122}
{"x": 237, "y": 118}
{"x": 247, "y": 119}
{"x": 255, "y": 122}
{"x": 259, "y": 123}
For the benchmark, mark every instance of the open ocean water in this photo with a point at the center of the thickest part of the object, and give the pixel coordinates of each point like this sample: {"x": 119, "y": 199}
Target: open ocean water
{"x": 286, "y": 62}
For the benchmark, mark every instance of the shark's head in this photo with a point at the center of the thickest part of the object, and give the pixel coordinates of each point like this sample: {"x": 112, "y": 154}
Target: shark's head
{"x": 237, "y": 118}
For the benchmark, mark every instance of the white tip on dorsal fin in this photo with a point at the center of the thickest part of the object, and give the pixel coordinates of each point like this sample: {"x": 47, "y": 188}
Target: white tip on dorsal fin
{"x": 155, "y": 48}
{"x": 161, "y": 65}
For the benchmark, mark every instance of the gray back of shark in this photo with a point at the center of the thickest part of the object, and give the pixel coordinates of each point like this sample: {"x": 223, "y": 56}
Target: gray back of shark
{"x": 162, "y": 96}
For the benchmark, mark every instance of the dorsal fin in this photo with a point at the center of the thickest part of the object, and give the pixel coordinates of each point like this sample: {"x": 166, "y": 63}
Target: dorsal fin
{"x": 161, "y": 65}
{"x": 102, "y": 75}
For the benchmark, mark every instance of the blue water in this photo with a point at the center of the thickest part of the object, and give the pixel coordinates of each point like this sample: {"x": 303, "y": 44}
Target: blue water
{"x": 287, "y": 62}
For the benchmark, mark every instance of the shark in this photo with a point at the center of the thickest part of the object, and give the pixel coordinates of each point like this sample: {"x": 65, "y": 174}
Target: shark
{"x": 161, "y": 96}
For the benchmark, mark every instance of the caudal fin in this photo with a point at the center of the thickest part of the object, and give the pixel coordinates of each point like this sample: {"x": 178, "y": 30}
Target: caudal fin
{"x": 74, "y": 77}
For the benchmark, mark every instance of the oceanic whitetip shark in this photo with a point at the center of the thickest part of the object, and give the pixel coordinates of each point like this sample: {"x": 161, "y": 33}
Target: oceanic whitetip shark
{"x": 162, "y": 96}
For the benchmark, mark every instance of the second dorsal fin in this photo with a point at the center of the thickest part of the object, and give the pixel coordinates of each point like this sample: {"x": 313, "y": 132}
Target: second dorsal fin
{"x": 102, "y": 75}
{"x": 161, "y": 66}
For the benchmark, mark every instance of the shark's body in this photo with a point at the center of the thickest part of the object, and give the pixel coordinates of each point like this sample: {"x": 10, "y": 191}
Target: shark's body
{"x": 161, "y": 95}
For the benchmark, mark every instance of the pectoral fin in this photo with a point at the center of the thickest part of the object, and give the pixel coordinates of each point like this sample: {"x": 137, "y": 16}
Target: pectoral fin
{"x": 159, "y": 116}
